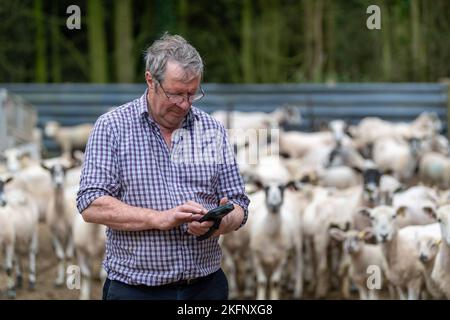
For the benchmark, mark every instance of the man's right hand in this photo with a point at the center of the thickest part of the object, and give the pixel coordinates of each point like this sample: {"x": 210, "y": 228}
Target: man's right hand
{"x": 187, "y": 212}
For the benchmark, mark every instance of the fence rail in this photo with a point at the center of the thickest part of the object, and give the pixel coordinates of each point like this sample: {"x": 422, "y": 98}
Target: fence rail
{"x": 72, "y": 104}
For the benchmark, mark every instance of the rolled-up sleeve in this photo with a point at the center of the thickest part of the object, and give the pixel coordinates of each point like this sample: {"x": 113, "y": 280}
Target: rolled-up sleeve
{"x": 231, "y": 184}
{"x": 99, "y": 175}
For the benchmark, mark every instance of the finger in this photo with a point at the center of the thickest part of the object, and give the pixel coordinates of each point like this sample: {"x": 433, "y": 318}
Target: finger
{"x": 197, "y": 205}
{"x": 190, "y": 209}
{"x": 194, "y": 228}
{"x": 223, "y": 201}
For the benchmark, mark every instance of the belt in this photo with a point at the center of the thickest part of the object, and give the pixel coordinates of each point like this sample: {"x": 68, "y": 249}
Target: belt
{"x": 185, "y": 282}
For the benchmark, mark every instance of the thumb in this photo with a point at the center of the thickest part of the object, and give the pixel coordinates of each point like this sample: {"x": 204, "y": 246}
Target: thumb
{"x": 223, "y": 201}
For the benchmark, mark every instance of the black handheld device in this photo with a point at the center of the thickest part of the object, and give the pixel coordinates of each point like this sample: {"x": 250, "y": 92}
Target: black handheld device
{"x": 215, "y": 215}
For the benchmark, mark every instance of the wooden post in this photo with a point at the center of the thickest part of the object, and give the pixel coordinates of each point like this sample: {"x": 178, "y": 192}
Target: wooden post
{"x": 446, "y": 81}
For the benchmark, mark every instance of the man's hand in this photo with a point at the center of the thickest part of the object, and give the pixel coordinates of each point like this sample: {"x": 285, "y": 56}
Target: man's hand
{"x": 229, "y": 223}
{"x": 187, "y": 212}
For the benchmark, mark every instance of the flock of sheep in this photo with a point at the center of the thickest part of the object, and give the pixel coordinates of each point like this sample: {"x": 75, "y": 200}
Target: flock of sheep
{"x": 349, "y": 208}
{"x": 353, "y": 208}
{"x": 33, "y": 192}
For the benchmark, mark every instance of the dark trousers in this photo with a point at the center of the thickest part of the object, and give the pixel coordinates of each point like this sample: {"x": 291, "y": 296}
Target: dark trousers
{"x": 211, "y": 287}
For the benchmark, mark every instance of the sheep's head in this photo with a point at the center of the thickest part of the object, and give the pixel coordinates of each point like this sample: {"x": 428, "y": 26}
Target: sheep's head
{"x": 428, "y": 247}
{"x": 442, "y": 215}
{"x": 58, "y": 171}
{"x": 51, "y": 128}
{"x": 353, "y": 240}
{"x": 274, "y": 192}
{"x": 383, "y": 219}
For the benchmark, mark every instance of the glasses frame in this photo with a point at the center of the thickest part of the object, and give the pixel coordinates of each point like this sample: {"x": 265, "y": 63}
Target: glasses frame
{"x": 188, "y": 97}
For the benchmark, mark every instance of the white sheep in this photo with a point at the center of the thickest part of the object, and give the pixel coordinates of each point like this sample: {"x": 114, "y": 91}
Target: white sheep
{"x": 19, "y": 232}
{"x": 362, "y": 257}
{"x": 89, "y": 240}
{"x": 275, "y": 231}
{"x": 60, "y": 216}
{"x": 405, "y": 271}
{"x": 69, "y": 138}
{"x": 440, "y": 273}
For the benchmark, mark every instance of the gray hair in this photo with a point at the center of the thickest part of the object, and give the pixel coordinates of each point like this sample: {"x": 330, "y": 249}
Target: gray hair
{"x": 172, "y": 48}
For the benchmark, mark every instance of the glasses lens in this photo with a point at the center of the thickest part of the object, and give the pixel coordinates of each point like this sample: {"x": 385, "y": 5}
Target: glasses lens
{"x": 176, "y": 99}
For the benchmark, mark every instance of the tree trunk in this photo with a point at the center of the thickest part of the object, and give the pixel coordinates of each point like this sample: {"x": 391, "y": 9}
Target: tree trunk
{"x": 313, "y": 13}
{"x": 123, "y": 22}
{"x": 417, "y": 45}
{"x": 40, "y": 43}
{"x": 386, "y": 43}
{"x": 97, "y": 42}
{"x": 164, "y": 17}
{"x": 317, "y": 71}
{"x": 330, "y": 41}
{"x": 247, "y": 58}
{"x": 183, "y": 14}
{"x": 56, "y": 39}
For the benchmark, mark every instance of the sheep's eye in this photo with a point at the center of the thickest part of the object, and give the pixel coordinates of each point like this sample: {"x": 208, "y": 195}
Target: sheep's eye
{"x": 439, "y": 220}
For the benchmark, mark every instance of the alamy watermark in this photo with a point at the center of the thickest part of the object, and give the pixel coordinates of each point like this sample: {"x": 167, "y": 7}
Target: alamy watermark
{"x": 375, "y": 278}
{"x": 73, "y": 280}
{"x": 374, "y": 20}
{"x": 205, "y": 146}
{"x": 74, "y": 20}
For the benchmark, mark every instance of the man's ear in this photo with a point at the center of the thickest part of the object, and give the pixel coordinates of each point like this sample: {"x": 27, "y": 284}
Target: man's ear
{"x": 149, "y": 78}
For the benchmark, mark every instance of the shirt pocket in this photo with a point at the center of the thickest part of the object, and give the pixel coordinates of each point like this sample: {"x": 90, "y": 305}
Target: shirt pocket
{"x": 198, "y": 177}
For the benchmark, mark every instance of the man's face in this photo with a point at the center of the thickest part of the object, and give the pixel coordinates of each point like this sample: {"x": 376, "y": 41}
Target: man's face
{"x": 166, "y": 113}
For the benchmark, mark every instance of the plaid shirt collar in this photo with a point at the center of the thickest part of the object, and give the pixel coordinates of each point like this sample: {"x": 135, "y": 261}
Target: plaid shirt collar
{"x": 188, "y": 121}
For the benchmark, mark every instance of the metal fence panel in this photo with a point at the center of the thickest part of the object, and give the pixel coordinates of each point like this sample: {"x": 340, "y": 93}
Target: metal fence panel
{"x": 72, "y": 104}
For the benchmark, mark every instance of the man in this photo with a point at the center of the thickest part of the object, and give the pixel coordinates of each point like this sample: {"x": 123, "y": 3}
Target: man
{"x": 154, "y": 167}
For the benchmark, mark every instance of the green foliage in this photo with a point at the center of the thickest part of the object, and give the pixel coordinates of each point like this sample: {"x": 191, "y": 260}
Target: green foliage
{"x": 253, "y": 41}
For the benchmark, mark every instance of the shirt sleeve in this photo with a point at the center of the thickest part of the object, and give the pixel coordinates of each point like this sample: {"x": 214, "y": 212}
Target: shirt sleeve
{"x": 231, "y": 184}
{"x": 99, "y": 175}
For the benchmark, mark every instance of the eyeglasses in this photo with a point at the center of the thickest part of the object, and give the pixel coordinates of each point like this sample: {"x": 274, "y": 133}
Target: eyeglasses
{"x": 179, "y": 98}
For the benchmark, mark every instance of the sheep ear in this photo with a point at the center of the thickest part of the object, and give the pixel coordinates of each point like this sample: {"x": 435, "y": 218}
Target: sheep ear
{"x": 366, "y": 234}
{"x": 337, "y": 234}
{"x": 430, "y": 211}
{"x": 294, "y": 185}
{"x": 358, "y": 170}
{"x": 43, "y": 165}
{"x": 401, "y": 211}
{"x": 365, "y": 211}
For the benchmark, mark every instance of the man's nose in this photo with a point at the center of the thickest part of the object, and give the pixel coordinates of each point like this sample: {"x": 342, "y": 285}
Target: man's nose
{"x": 184, "y": 104}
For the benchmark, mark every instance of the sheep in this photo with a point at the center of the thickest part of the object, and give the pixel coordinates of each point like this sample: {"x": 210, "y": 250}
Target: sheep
{"x": 19, "y": 220}
{"x": 414, "y": 199}
{"x": 440, "y": 273}
{"x": 236, "y": 260}
{"x": 370, "y": 129}
{"x": 335, "y": 209}
{"x": 428, "y": 247}
{"x": 299, "y": 144}
{"x": 275, "y": 230}
{"x": 362, "y": 256}
{"x": 7, "y": 237}
{"x": 259, "y": 120}
{"x": 396, "y": 155}
{"x": 69, "y": 138}
{"x": 434, "y": 170}
{"x": 60, "y": 219}
{"x": 89, "y": 241}
{"x": 405, "y": 271}
{"x": 27, "y": 175}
